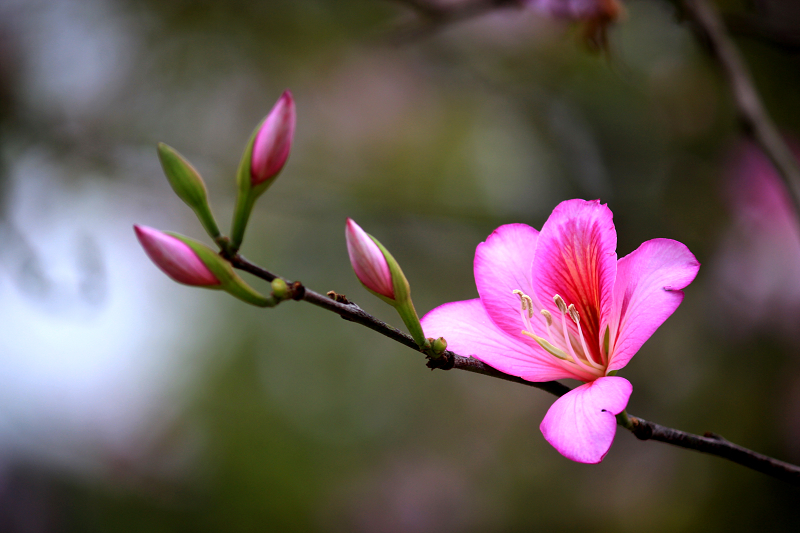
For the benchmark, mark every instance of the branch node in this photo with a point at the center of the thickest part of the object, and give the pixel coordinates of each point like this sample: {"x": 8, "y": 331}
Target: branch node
{"x": 336, "y": 297}
{"x": 446, "y": 361}
{"x": 298, "y": 291}
{"x": 640, "y": 428}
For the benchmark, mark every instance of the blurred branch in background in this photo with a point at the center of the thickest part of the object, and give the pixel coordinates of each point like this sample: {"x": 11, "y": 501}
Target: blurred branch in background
{"x": 764, "y": 30}
{"x": 710, "y": 30}
{"x": 644, "y": 430}
{"x": 432, "y": 16}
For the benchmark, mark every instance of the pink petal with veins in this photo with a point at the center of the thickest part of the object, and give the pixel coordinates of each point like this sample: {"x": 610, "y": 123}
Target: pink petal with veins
{"x": 576, "y": 258}
{"x": 471, "y": 332}
{"x": 582, "y": 423}
{"x": 647, "y": 292}
{"x": 502, "y": 265}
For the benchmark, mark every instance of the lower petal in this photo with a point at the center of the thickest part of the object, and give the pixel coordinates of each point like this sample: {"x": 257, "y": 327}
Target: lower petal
{"x": 582, "y": 423}
{"x": 470, "y": 332}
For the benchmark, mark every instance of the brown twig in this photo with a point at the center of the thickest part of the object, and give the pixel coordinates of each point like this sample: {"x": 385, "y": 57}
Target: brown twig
{"x": 642, "y": 429}
{"x": 716, "y": 445}
{"x": 354, "y": 313}
{"x": 710, "y": 30}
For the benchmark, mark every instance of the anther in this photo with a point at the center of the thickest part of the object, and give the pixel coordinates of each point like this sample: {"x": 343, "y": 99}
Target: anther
{"x": 562, "y": 305}
{"x": 526, "y": 301}
{"x": 573, "y": 313}
{"x": 548, "y": 317}
{"x": 529, "y": 303}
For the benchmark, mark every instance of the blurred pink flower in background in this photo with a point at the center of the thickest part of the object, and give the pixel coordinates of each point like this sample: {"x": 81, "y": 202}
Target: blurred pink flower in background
{"x": 757, "y": 268}
{"x": 594, "y": 15}
{"x": 578, "y": 9}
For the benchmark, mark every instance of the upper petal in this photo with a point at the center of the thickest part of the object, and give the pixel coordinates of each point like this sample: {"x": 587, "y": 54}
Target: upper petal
{"x": 646, "y": 293}
{"x": 582, "y": 423}
{"x": 576, "y": 259}
{"x": 503, "y": 265}
{"x": 470, "y": 332}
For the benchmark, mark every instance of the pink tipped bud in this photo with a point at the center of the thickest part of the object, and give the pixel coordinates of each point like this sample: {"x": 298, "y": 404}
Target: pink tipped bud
{"x": 368, "y": 261}
{"x": 273, "y": 141}
{"x": 174, "y": 257}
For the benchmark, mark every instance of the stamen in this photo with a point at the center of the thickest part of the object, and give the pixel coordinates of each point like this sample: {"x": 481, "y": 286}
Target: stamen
{"x": 578, "y": 361}
{"x": 562, "y": 305}
{"x": 573, "y": 313}
{"x": 526, "y": 304}
{"x": 529, "y": 303}
{"x": 548, "y": 319}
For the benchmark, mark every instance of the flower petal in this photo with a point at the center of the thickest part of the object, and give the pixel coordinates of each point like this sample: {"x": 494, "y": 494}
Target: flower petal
{"x": 581, "y": 424}
{"x": 503, "y": 265}
{"x": 470, "y": 332}
{"x": 576, "y": 259}
{"x": 646, "y": 293}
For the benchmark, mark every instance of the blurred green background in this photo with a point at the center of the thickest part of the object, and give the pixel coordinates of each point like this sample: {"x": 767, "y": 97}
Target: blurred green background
{"x": 130, "y": 403}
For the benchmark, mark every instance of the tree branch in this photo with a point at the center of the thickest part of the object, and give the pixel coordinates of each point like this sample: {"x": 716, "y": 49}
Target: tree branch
{"x": 642, "y": 429}
{"x": 710, "y": 30}
{"x": 716, "y": 445}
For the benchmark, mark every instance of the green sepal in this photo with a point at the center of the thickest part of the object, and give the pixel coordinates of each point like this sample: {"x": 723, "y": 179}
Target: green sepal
{"x": 188, "y": 185}
{"x": 223, "y": 271}
{"x": 624, "y": 421}
{"x": 247, "y": 194}
{"x": 411, "y": 320}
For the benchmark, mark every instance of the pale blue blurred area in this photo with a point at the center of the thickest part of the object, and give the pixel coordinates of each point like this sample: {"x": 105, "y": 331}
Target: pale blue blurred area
{"x": 130, "y": 403}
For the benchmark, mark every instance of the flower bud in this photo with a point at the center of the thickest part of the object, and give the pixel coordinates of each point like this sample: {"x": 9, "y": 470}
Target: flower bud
{"x": 368, "y": 261}
{"x": 188, "y": 185}
{"x": 380, "y": 274}
{"x": 273, "y": 141}
{"x": 193, "y": 263}
{"x": 263, "y": 159}
{"x": 175, "y": 258}
{"x": 439, "y": 345}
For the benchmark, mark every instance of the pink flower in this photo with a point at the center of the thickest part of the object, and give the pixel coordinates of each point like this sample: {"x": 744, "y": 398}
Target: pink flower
{"x": 273, "y": 141}
{"x": 368, "y": 261}
{"x": 175, "y": 258}
{"x": 593, "y": 16}
{"x": 757, "y": 267}
{"x": 558, "y": 304}
{"x": 578, "y": 9}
